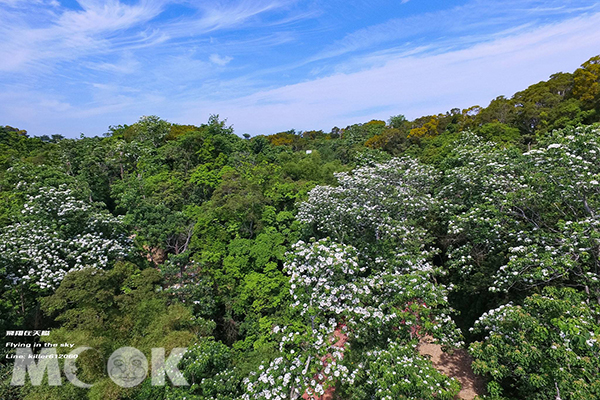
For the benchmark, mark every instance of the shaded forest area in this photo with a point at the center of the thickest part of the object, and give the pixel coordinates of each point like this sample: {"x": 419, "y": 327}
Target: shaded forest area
{"x": 478, "y": 228}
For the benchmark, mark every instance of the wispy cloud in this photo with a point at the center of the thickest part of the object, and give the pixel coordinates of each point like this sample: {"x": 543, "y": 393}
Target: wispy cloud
{"x": 483, "y": 17}
{"x": 218, "y": 16}
{"x": 415, "y": 85}
{"x": 102, "y": 27}
{"x": 126, "y": 65}
{"x": 104, "y": 16}
{"x": 273, "y": 65}
{"x": 68, "y": 34}
{"x": 220, "y": 60}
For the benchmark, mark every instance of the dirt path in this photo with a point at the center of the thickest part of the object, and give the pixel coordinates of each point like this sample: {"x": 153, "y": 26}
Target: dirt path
{"x": 457, "y": 365}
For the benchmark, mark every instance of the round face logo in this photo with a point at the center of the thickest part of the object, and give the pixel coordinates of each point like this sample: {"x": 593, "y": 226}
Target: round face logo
{"x": 127, "y": 367}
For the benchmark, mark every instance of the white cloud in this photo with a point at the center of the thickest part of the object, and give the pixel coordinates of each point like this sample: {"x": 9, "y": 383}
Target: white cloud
{"x": 106, "y": 16}
{"x": 413, "y": 85}
{"x": 70, "y": 35}
{"x": 23, "y": 3}
{"x": 55, "y": 105}
{"x": 219, "y": 60}
{"x": 37, "y": 40}
{"x": 456, "y": 23}
{"x": 126, "y": 65}
{"x": 111, "y": 62}
{"x": 219, "y": 17}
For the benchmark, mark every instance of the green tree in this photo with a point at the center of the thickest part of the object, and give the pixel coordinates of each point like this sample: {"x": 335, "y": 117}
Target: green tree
{"x": 587, "y": 82}
{"x": 55, "y": 233}
{"x": 546, "y": 348}
{"x": 106, "y": 310}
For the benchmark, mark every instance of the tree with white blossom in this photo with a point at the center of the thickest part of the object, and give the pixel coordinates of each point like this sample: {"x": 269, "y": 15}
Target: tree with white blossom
{"x": 544, "y": 349}
{"x": 375, "y": 207}
{"x": 359, "y": 309}
{"x": 57, "y": 232}
{"x": 527, "y": 224}
{"x": 527, "y": 220}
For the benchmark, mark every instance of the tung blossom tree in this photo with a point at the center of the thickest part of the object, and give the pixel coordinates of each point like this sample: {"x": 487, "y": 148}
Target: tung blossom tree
{"x": 527, "y": 220}
{"x": 546, "y": 348}
{"x": 526, "y": 225}
{"x": 55, "y": 234}
{"x": 363, "y": 304}
{"x": 376, "y": 208}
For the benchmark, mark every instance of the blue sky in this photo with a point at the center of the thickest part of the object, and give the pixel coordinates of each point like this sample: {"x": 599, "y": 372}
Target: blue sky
{"x": 69, "y": 67}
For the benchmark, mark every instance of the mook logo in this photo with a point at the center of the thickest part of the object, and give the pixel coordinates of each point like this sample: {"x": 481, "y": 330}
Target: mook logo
{"x": 127, "y": 367}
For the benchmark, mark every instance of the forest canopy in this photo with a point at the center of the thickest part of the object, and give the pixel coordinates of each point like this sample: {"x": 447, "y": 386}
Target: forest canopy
{"x": 312, "y": 264}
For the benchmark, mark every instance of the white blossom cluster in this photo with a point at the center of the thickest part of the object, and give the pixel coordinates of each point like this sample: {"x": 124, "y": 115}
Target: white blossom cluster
{"x": 386, "y": 201}
{"x": 327, "y": 280}
{"x": 310, "y": 363}
{"x": 58, "y": 233}
{"x": 493, "y": 321}
{"x": 378, "y": 304}
{"x": 323, "y": 277}
{"x": 536, "y": 212}
{"x": 556, "y": 327}
{"x": 399, "y": 372}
